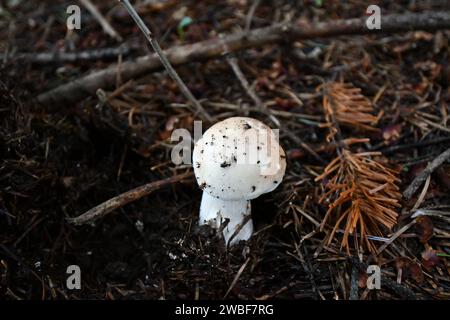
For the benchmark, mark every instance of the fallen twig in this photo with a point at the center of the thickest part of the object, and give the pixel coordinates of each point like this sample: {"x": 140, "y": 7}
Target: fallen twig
{"x": 299, "y": 141}
{"x": 433, "y": 165}
{"x": 403, "y": 291}
{"x": 101, "y": 20}
{"x": 397, "y": 234}
{"x": 413, "y": 145}
{"x": 65, "y": 57}
{"x": 251, "y": 13}
{"x": 106, "y": 207}
{"x": 165, "y": 62}
{"x": 232, "y": 61}
{"x": 77, "y": 89}
{"x": 236, "y": 278}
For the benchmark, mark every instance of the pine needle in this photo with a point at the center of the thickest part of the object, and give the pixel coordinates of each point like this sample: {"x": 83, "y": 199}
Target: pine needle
{"x": 349, "y": 107}
{"x": 361, "y": 191}
{"x": 363, "y": 195}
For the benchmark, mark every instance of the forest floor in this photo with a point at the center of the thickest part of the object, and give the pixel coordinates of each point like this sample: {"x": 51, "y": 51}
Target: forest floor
{"x": 60, "y": 160}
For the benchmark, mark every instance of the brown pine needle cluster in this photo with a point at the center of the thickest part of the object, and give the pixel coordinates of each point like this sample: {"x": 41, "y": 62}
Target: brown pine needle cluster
{"x": 361, "y": 192}
{"x": 349, "y": 106}
{"x": 365, "y": 195}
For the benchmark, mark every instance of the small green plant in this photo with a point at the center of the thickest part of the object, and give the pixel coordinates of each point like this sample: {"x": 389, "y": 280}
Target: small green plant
{"x": 186, "y": 21}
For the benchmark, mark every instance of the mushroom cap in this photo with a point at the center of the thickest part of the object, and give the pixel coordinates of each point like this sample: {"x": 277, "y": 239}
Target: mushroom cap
{"x": 238, "y": 158}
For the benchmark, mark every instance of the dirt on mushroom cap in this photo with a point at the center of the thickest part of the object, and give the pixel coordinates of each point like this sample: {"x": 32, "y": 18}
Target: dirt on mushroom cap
{"x": 239, "y": 158}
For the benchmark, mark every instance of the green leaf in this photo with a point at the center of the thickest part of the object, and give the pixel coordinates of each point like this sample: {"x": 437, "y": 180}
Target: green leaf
{"x": 183, "y": 24}
{"x": 440, "y": 254}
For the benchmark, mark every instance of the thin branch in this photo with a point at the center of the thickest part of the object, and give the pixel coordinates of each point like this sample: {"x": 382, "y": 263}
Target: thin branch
{"x": 397, "y": 234}
{"x": 433, "y": 165}
{"x": 299, "y": 141}
{"x": 413, "y": 145}
{"x": 101, "y": 20}
{"x": 165, "y": 62}
{"x": 251, "y": 13}
{"x": 236, "y": 278}
{"x": 79, "y": 88}
{"x": 119, "y": 201}
{"x": 232, "y": 61}
{"x": 69, "y": 57}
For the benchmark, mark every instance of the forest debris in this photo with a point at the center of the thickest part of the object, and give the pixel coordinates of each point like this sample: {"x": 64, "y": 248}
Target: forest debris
{"x": 424, "y": 228}
{"x": 232, "y": 61}
{"x": 349, "y": 107}
{"x": 403, "y": 291}
{"x": 354, "y": 283}
{"x": 433, "y": 165}
{"x": 250, "y": 14}
{"x": 101, "y": 20}
{"x": 397, "y": 234}
{"x": 165, "y": 62}
{"x": 422, "y": 194}
{"x": 430, "y": 259}
{"x": 84, "y": 146}
{"x": 392, "y": 133}
{"x": 77, "y": 89}
{"x": 69, "y": 57}
{"x": 236, "y": 278}
{"x": 418, "y": 144}
{"x": 443, "y": 177}
{"x": 119, "y": 201}
{"x": 407, "y": 268}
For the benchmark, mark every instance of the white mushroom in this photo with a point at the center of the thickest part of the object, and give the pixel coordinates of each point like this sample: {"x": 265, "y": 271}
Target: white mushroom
{"x": 236, "y": 160}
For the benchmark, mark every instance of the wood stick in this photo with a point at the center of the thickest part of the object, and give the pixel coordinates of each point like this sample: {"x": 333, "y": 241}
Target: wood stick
{"x": 107, "y": 27}
{"x": 88, "y": 84}
{"x": 251, "y": 13}
{"x": 232, "y": 61}
{"x": 433, "y": 165}
{"x": 119, "y": 201}
{"x": 165, "y": 62}
{"x": 68, "y": 57}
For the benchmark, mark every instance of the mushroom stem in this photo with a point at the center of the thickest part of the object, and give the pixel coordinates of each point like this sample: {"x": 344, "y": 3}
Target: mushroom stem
{"x": 215, "y": 211}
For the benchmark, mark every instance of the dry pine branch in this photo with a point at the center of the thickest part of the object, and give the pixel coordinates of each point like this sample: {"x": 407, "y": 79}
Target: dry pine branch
{"x": 77, "y": 89}
{"x": 365, "y": 195}
{"x": 350, "y": 108}
{"x": 362, "y": 192}
{"x": 122, "y": 199}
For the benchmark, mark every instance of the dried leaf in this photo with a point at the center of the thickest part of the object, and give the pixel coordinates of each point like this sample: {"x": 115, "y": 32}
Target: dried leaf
{"x": 430, "y": 259}
{"x": 362, "y": 281}
{"x": 392, "y": 133}
{"x": 422, "y": 35}
{"x": 295, "y": 154}
{"x": 410, "y": 269}
{"x": 424, "y": 228}
{"x": 443, "y": 176}
{"x": 284, "y": 104}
